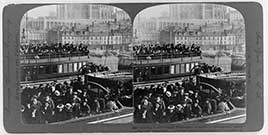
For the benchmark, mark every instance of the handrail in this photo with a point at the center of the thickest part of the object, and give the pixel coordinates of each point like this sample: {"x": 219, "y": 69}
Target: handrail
{"x": 55, "y": 58}
{"x": 49, "y": 56}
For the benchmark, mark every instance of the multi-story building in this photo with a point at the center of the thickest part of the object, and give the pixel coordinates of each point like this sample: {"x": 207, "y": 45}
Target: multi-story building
{"x": 197, "y": 11}
{"x": 208, "y": 40}
{"x": 235, "y": 18}
{"x": 85, "y": 11}
{"x": 95, "y": 40}
{"x": 121, "y": 15}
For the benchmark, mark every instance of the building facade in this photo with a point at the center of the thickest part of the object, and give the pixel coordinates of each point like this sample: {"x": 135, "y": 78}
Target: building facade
{"x": 207, "y": 41}
{"x": 85, "y": 11}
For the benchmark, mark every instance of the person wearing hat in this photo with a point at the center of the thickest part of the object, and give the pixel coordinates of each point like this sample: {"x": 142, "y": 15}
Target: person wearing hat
{"x": 57, "y": 97}
{"x": 223, "y": 106}
{"x": 207, "y": 108}
{"x": 196, "y": 97}
{"x": 111, "y": 105}
{"x": 36, "y": 114}
{"x": 214, "y": 106}
{"x": 187, "y": 104}
{"x": 146, "y": 108}
{"x": 191, "y": 84}
{"x": 76, "y": 103}
{"x": 197, "y": 110}
{"x": 85, "y": 109}
{"x": 60, "y": 113}
{"x": 180, "y": 96}
{"x": 180, "y": 112}
{"x": 171, "y": 115}
{"x": 168, "y": 99}
{"x": 161, "y": 102}
{"x": 47, "y": 112}
{"x": 157, "y": 113}
{"x": 69, "y": 111}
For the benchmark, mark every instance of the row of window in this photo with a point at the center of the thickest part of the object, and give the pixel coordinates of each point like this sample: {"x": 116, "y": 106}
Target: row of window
{"x": 207, "y": 38}
{"x": 168, "y": 69}
{"x": 90, "y": 42}
{"x": 61, "y": 68}
{"x": 93, "y": 37}
{"x": 55, "y": 68}
{"x": 206, "y": 42}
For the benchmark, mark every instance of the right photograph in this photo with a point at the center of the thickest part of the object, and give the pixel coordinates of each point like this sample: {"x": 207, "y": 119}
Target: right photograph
{"x": 189, "y": 64}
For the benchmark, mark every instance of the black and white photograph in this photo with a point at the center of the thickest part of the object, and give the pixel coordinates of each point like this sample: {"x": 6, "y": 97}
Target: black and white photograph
{"x": 72, "y": 64}
{"x": 135, "y": 66}
{"x": 189, "y": 64}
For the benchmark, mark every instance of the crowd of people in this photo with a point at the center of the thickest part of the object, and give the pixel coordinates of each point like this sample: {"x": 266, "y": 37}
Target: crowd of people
{"x": 206, "y": 68}
{"x": 92, "y": 68}
{"x": 171, "y": 102}
{"x": 39, "y": 51}
{"x": 59, "y": 101}
{"x": 155, "y": 51}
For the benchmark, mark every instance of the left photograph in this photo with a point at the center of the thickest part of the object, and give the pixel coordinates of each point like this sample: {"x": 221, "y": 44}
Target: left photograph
{"x": 75, "y": 65}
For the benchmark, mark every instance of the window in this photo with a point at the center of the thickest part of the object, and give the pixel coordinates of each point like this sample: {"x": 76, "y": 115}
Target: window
{"x": 75, "y": 67}
{"x": 70, "y": 67}
{"x": 65, "y": 68}
{"x": 178, "y": 68}
{"x": 153, "y": 71}
{"x": 172, "y": 69}
{"x": 41, "y": 69}
{"x": 54, "y": 68}
{"x": 182, "y": 68}
{"x": 159, "y": 70}
{"x": 59, "y": 68}
{"x": 192, "y": 65}
{"x": 44, "y": 69}
{"x": 79, "y": 65}
{"x": 187, "y": 67}
{"x": 166, "y": 69}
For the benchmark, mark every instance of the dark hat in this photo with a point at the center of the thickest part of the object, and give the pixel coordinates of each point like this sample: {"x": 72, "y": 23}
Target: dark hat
{"x": 145, "y": 97}
{"x": 34, "y": 96}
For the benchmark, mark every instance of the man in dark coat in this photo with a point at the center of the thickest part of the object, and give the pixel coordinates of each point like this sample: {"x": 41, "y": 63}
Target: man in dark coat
{"x": 171, "y": 115}
{"x": 146, "y": 107}
{"x": 157, "y": 113}
{"x": 85, "y": 109}
{"x": 35, "y": 108}
{"x": 197, "y": 110}
{"x": 60, "y": 113}
{"x": 214, "y": 106}
{"x": 207, "y": 107}
{"x": 47, "y": 113}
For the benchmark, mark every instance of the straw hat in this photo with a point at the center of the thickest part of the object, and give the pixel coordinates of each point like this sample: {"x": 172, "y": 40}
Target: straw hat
{"x": 60, "y": 106}
{"x": 168, "y": 94}
{"x": 179, "y": 106}
{"x": 68, "y": 105}
{"x": 171, "y": 107}
{"x": 57, "y": 93}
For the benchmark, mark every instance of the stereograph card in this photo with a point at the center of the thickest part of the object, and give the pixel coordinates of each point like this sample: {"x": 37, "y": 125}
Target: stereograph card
{"x": 133, "y": 67}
